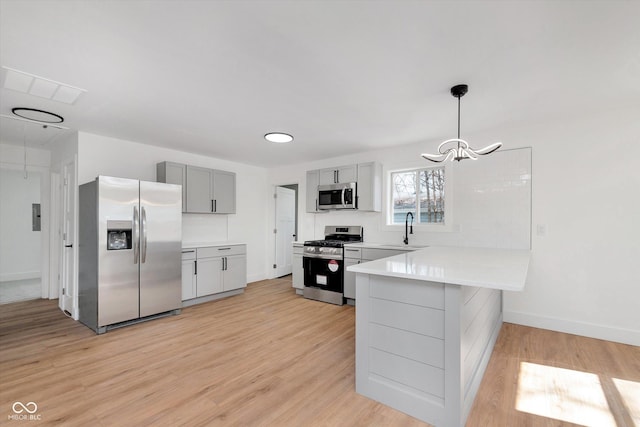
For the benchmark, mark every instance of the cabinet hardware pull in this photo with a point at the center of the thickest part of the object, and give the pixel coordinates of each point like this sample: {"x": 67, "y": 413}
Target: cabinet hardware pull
{"x": 215, "y": 205}
{"x": 224, "y": 249}
{"x": 68, "y": 246}
{"x": 195, "y": 267}
{"x": 186, "y": 252}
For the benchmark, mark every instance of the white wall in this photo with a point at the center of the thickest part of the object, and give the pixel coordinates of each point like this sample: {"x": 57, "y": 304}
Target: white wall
{"x": 19, "y": 245}
{"x": 491, "y": 200}
{"x": 12, "y": 158}
{"x": 585, "y": 194}
{"x": 99, "y": 155}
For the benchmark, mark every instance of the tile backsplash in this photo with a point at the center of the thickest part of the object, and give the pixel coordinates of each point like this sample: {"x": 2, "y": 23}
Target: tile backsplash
{"x": 491, "y": 207}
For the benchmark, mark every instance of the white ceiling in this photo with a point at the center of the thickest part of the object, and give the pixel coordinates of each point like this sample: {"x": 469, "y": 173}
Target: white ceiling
{"x": 212, "y": 77}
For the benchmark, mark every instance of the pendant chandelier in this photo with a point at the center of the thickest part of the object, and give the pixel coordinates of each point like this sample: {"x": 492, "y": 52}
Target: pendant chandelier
{"x": 456, "y": 148}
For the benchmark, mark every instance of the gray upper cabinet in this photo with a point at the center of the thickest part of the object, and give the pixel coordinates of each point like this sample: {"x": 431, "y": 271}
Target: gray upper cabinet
{"x": 339, "y": 175}
{"x": 199, "y": 190}
{"x": 368, "y": 177}
{"x": 173, "y": 173}
{"x": 313, "y": 179}
{"x": 370, "y": 187}
{"x": 203, "y": 190}
{"x": 224, "y": 192}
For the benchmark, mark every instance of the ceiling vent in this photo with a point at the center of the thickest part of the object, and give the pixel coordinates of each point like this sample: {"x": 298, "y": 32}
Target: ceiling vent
{"x": 41, "y": 87}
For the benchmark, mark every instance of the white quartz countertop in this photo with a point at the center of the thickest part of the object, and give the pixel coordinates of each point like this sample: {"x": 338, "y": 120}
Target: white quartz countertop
{"x": 504, "y": 269}
{"x": 192, "y": 245}
{"x": 398, "y": 247}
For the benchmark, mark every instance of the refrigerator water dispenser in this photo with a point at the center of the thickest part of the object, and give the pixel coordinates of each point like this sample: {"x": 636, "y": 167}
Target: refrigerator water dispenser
{"x": 118, "y": 235}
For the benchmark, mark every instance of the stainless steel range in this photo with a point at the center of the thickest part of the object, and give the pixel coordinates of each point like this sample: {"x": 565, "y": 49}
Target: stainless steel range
{"x": 323, "y": 263}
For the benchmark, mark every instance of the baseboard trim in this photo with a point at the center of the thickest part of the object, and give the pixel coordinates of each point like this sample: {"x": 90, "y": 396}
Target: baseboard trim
{"x": 591, "y": 330}
{"x": 256, "y": 278}
{"x": 7, "y": 277}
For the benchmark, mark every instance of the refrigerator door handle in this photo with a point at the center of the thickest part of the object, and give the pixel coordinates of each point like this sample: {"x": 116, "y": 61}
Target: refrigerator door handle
{"x": 143, "y": 235}
{"x": 134, "y": 237}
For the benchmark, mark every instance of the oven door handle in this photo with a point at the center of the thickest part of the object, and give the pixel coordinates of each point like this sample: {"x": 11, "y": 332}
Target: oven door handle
{"x": 319, "y": 256}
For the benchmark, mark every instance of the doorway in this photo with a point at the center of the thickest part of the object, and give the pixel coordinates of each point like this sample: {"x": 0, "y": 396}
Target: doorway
{"x": 21, "y": 231}
{"x": 286, "y": 227}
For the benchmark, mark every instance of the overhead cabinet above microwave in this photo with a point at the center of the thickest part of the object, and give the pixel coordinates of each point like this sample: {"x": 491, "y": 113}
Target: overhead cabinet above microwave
{"x": 341, "y": 175}
{"x": 203, "y": 190}
{"x": 356, "y": 187}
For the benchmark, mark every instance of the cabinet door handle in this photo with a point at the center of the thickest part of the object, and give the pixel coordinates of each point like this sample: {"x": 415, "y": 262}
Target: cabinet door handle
{"x": 337, "y": 176}
{"x": 224, "y": 249}
{"x": 195, "y": 267}
{"x": 186, "y": 252}
{"x": 225, "y": 263}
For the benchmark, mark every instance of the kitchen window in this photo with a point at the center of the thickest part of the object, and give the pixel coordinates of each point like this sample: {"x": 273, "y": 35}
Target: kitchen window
{"x": 419, "y": 191}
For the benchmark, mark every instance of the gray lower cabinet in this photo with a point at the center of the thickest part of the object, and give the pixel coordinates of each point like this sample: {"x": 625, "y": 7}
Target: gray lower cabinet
{"x": 188, "y": 274}
{"x": 204, "y": 190}
{"x": 297, "y": 273}
{"x": 209, "y": 276}
{"x": 353, "y": 256}
{"x": 212, "y": 270}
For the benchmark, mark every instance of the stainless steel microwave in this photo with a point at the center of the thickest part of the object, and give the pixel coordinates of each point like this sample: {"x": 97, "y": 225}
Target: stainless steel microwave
{"x": 337, "y": 196}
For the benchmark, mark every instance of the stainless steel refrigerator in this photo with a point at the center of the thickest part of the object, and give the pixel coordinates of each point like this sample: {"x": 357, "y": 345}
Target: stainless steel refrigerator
{"x": 130, "y": 236}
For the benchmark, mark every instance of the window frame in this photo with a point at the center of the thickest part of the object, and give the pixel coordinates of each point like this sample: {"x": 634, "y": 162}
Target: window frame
{"x": 445, "y": 226}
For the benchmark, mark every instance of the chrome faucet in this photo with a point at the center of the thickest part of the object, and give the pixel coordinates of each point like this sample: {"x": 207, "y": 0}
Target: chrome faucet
{"x": 407, "y": 230}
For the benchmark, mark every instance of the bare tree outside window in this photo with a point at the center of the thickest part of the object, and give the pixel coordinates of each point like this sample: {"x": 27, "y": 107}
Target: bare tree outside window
{"x": 420, "y": 192}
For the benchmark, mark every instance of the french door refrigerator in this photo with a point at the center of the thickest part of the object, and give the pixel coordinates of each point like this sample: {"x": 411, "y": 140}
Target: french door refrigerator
{"x": 130, "y": 236}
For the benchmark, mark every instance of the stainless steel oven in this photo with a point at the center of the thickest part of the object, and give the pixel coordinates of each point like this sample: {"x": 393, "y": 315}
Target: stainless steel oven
{"x": 323, "y": 263}
{"x": 337, "y": 196}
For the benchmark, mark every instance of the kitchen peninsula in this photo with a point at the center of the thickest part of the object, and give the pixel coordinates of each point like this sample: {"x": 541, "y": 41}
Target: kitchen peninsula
{"x": 426, "y": 324}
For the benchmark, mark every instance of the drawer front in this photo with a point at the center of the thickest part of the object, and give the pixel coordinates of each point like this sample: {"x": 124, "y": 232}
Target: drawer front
{"x": 214, "y": 251}
{"x": 371, "y": 254}
{"x": 188, "y": 254}
{"x": 352, "y": 253}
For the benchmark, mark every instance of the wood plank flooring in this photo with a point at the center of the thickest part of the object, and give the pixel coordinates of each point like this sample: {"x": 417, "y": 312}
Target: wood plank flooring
{"x": 264, "y": 358}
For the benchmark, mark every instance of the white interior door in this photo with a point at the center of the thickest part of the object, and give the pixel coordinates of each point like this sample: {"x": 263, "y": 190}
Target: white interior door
{"x": 285, "y": 229}
{"x": 68, "y": 239}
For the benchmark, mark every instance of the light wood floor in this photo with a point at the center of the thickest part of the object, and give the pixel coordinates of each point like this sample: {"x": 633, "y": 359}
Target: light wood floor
{"x": 267, "y": 357}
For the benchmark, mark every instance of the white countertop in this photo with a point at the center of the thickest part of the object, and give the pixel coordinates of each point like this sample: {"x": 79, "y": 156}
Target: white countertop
{"x": 503, "y": 269}
{"x": 398, "y": 247}
{"x": 192, "y": 245}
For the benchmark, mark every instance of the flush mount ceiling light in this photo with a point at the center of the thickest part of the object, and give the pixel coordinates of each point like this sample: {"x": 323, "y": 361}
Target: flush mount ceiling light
{"x": 456, "y": 148}
{"x": 278, "y": 137}
{"x": 35, "y": 115}
{"x": 39, "y": 86}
